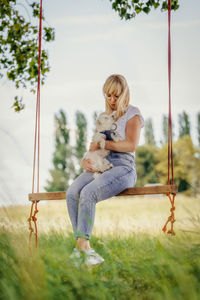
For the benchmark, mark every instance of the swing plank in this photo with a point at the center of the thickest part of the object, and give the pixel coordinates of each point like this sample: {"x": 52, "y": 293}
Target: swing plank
{"x": 148, "y": 190}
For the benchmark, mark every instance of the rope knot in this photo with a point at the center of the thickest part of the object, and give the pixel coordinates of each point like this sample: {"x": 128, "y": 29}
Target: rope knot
{"x": 30, "y": 228}
{"x": 172, "y": 209}
{"x": 171, "y": 232}
{"x": 171, "y": 217}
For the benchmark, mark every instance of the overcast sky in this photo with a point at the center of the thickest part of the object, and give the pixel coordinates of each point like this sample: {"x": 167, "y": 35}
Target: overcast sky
{"x": 91, "y": 44}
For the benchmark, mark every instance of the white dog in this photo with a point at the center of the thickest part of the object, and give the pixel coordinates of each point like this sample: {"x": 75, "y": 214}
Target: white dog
{"x": 104, "y": 126}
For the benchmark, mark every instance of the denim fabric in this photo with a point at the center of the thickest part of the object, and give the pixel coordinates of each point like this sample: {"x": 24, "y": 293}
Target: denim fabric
{"x": 85, "y": 191}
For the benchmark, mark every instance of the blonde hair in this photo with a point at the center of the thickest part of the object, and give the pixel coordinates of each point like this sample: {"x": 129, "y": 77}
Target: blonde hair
{"x": 116, "y": 84}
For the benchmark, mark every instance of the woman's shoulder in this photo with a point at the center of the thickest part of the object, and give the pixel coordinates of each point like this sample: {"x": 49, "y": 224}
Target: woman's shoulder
{"x": 132, "y": 111}
{"x": 132, "y": 108}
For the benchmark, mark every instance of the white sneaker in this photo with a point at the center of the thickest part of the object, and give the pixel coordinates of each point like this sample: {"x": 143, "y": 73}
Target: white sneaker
{"x": 92, "y": 258}
{"x": 88, "y": 256}
{"x": 76, "y": 257}
{"x": 75, "y": 253}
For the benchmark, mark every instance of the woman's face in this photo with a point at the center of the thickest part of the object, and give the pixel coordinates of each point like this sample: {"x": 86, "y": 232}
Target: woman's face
{"x": 112, "y": 100}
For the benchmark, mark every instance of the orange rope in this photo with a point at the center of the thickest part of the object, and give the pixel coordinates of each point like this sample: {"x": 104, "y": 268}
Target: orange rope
{"x": 34, "y": 219}
{"x": 170, "y": 150}
{"x": 32, "y": 216}
{"x": 171, "y": 217}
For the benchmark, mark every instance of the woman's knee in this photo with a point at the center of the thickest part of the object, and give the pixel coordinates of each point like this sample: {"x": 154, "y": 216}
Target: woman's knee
{"x": 78, "y": 184}
{"x": 71, "y": 192}
{"x": 88, "y": 195}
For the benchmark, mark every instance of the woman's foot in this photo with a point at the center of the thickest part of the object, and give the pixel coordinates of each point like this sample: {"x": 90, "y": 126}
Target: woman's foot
{"x": 92, "y": 259}
{"x": 83, "y": 244}
{"x": 75, "y": 253}
{"x": 83, "y": 253}
{"x": 89, "y": 257}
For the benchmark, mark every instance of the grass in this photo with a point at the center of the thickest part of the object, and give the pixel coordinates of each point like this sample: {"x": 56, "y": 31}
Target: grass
{"x": 141, "y": 262}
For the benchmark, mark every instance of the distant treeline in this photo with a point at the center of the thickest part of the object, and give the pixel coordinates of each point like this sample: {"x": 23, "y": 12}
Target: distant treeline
{"x": 151, "y": 159}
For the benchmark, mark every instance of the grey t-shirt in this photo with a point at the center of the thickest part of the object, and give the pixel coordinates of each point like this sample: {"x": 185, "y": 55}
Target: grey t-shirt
{"x": 121, "y": 122}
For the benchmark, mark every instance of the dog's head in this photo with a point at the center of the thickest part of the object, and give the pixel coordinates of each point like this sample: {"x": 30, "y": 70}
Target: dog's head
{"x": 104, "y": 121}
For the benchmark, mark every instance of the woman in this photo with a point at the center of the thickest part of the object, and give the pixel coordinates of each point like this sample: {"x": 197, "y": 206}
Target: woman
{"x": 86, "y": 191}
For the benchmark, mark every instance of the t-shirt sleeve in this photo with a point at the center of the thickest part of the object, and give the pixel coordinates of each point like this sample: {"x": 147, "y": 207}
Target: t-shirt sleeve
{"x": 133, "y": 111}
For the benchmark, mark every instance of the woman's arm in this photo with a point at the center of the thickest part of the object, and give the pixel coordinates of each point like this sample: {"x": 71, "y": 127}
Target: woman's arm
{"x": 130, "y": 144}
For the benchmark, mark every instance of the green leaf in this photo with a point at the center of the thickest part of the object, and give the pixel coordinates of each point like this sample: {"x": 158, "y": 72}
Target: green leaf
{"x": 19, "y": 46}
{"x": 146, "y": 9}
{"x": 18, "y": 105}
{"x": 137, "y": 9}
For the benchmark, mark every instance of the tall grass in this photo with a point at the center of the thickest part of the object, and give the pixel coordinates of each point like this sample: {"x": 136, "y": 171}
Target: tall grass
{"x": 141, "y": 262}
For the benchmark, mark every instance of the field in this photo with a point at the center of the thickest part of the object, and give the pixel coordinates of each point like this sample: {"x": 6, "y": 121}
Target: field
{"x": 141, "y": 261}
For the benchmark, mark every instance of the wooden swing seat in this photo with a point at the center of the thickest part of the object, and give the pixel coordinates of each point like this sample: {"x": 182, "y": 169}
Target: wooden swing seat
{"x": 148, "y": 190}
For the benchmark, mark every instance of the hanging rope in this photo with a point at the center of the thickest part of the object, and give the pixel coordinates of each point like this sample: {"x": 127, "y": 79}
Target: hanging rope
{"x": 170, "y": 150}
{"x": 36, "y": 143}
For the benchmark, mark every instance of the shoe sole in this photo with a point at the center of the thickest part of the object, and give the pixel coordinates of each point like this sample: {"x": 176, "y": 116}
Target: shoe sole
{"x": 77, "y": 264}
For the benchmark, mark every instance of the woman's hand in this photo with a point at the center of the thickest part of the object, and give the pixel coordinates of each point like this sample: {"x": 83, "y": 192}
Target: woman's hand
{"x": 86, "y": 164}
{"x": 94, "y": 146}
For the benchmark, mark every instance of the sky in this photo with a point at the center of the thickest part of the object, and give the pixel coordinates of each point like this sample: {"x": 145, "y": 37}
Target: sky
{"x": 92, "y": 42}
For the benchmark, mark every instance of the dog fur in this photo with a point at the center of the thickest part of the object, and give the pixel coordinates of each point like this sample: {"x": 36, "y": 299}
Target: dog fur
{"x": 99, "y": 162}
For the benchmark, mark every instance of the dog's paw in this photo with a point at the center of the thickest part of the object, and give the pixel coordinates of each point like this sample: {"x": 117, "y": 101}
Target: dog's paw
{"x": 115, "y": 137}
{"x": 102, "y": 144}
{"x": 107, "y": 167}
{"x": 96, "y": 175}
{"x": 98, "y": 137}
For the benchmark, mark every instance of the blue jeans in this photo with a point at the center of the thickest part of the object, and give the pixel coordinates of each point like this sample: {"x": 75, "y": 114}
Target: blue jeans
{"x": 85, "y": 191}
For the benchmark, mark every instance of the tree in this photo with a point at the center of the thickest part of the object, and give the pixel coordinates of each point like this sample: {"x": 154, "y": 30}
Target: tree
{"x": 127, "y": 9}
{"x": 198, "y": 127}
{"x": 19, "y": 46}
{"x": 63, "y": 171}
{"x": 145, "y": 165}
{"x": 164, "y": 129}
{"x": 186, "y": 161}
{"x": 95, "y": 115}
{"x": 149, "y": 133}
{"x": 184, "y": 124}
{"x": 81, "y": 139}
